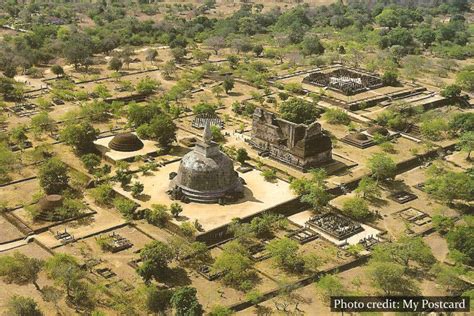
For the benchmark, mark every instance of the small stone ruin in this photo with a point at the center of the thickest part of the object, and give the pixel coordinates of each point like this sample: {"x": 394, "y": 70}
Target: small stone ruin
{"x": 345, "y": 81}
{"x": 335, "y": 225}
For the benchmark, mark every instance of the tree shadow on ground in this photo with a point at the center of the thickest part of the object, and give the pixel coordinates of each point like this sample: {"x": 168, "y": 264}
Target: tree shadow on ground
{"x": 176, "y": 277}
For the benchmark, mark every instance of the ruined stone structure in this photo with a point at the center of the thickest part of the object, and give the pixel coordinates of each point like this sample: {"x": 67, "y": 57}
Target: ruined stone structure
{"x": 346, "y": 81}
{"x": 206, "y": 175}
{"x": 298, "y": 145}
{"x": 358, "y": 140}
{"x": 201, "y": 120}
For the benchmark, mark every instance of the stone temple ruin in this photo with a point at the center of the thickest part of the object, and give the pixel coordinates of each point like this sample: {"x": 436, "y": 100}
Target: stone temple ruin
{"x": 201, "y": 120}
{"x": 335, "y": 225}
{"x": 298, "y": 145}
{"x": 345, "y": 81}
{"x": 206, "y": 175}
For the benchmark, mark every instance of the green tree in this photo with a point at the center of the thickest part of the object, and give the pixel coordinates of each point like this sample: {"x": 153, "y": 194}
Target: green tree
{"x": 443, "y": 224}
{"x": 311, "y": 45}
{"x": 390, "y": 78}
{"x": 158, "y": 215}
{"x": 233, "y": 61}
{"x": 64, "y": 270}
{"x": 388, "y": 18}
{"x": 313, "y": 190}
{"x": 200, "y": 56}
{"x": 165, "y": 130}
{"x": 242, "y": 155}
{"x": 175, "y": 209}
{"x": 168, "y": 69}
{"x": 337, "y": 116}
{"x": 115, "y": 64}
{"x": 356, "y": 208}
{"x": 258, "y": 50}
{"x": 382, "y": 166}
{"x": 7, "y": 161}
{"x": 53, "y": 176}
{"x": 103, "y": 194}
{"x": 405, "y": 251}
{"x": 137, "y": 189}
{"x": 228, "y": 84}
{"x": 425, "y": 35}
{"x": 90, "y": 161}
{"x": 451, "y": 91}
{"x": 79, "y": 136}
{"x": 448, "y": 186}
{"x": 23, "y": 306}
{"x": 462, "y": 122}
{"x": 204, "y": 108}
{"x": 41, "y": 123}
{"x": 461, "y": 239}
{"x": 179, "y": 54}
{"x": 466, "y": 143}
{"x": 298, "y": 111}
{"x": 78, "y": 49}
{"x": 390, "y": 278}
{"x": 57, "y": 70}
{"x": 155, "y": 257}
{"x": 147, "y": 86}
{"x": 219, "y": 310}
{"x": 185, "y": 302}
{"x": 18, "y": 136}
{"x": 433, "y": 128}
{"x": 465, "y": 78}
{"x": 234, "y": 260}
{"x": 285, "y": 254}
{"x": 20, "y": 269}
{"x": 330, "y": 285}
{"x": 269, "y": 175}
{"x": 125, "y": 207}
{"x": 368, "y": 188}
{"x": 216, "y": 133}
{"x": 157, "y": 300}
{"x": 449, "y": 278}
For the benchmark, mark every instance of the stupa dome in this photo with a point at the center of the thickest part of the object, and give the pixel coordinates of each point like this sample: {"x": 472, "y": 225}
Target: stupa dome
{"x": 126, "y": 142}
{"x": 50, "y": 202}
{"x": 206, "y": 174}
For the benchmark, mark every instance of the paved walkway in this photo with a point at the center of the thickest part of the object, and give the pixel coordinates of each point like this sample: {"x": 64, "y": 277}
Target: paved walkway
{"x": 16, "y": 244}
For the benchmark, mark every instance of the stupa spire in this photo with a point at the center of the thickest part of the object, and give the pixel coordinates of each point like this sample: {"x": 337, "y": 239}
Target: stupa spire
{"x": 207, "y": 135}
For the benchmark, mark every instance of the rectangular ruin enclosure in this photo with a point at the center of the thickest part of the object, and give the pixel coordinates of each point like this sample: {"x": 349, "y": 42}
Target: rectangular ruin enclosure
{"x": 335, "y": 225}
{"x": 344, "y": 80}
{"x": 402, "y": 197}
{"x": 303, "y": 235}
{"x": 415, "y": 216}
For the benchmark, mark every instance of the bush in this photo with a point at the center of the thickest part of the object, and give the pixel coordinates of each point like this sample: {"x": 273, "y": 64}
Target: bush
{"x": 285, "y": 254}
{"x": 158, "y": 215}
{"x": 356, "y": 208}
{"x": 103, "y": 194}
{"x": 125, "y": 207}
{"x": 337, "y": 116}
{"x": 390, "y": 78}
{"x": 269, "y": 175}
